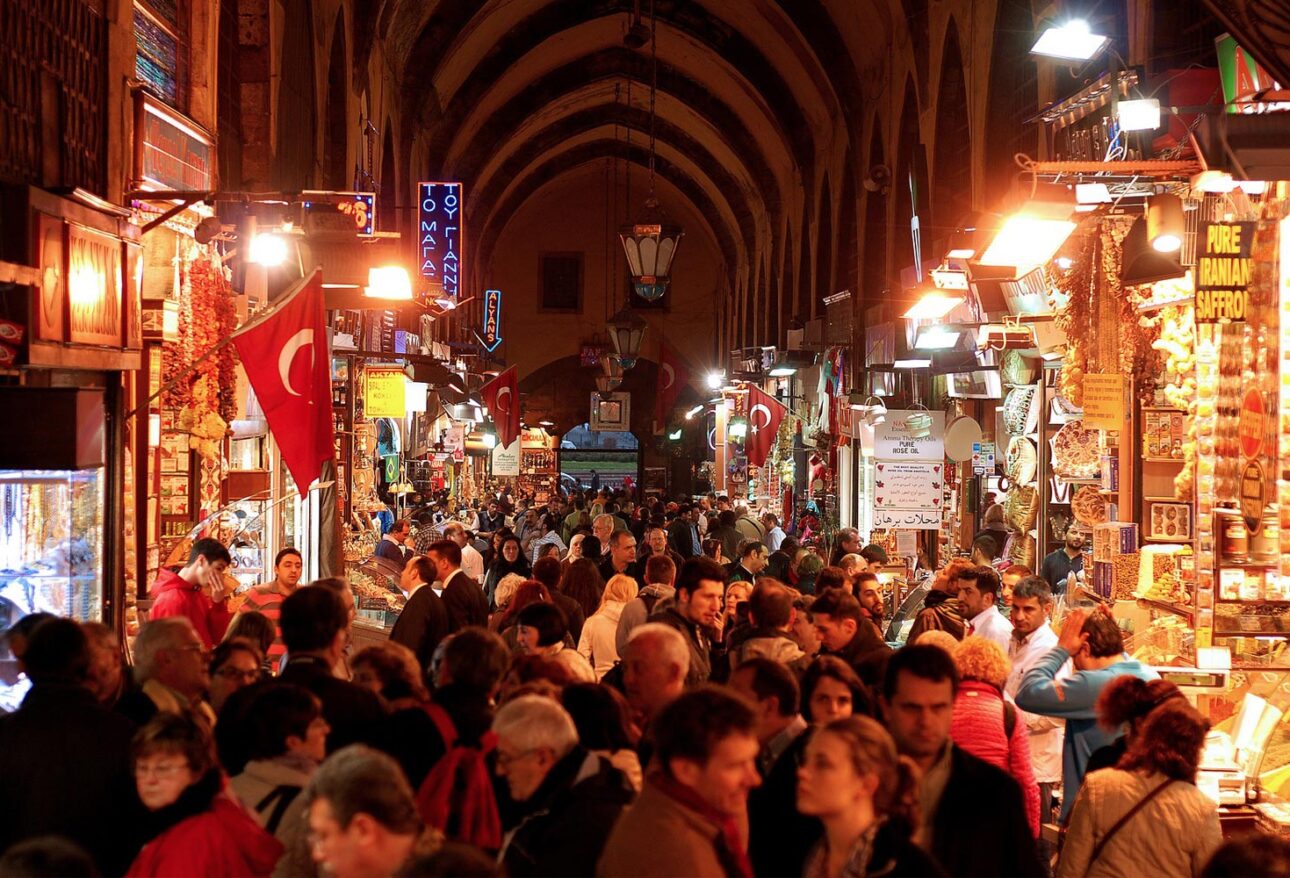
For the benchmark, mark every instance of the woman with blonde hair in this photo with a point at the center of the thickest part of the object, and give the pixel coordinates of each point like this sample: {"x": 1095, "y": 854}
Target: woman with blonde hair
{"x": 598, "y": 642}
{"x": 986, "y": 724}
{"x": 867, "y": 797}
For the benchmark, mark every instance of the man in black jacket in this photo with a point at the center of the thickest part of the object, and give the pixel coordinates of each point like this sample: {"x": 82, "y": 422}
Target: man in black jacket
{"x": 313, "y": 627}
{"x": 974, "y": 817}
{"x": 463, "y": 597}
{"x": 683, "y": 532}
{"x": 424, "y": 620}
{"x": 65, "y": 759}
{"x": 570, "y": 798}
{"x": 845, "y": 632}
{"x": 700, "y": 591}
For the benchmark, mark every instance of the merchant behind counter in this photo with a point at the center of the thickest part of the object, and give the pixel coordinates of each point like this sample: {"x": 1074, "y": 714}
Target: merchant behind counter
{"x": 1061, "y": 565}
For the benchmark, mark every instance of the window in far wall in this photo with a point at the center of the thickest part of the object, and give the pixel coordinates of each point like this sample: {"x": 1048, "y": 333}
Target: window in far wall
{"x": 560, "y": 281}
{"x": 161, "y": 58}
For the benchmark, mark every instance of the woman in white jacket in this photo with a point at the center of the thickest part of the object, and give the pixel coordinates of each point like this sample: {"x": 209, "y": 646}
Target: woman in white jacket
{"x": 1146, "y": 816}
{"x": 597, "y": 643}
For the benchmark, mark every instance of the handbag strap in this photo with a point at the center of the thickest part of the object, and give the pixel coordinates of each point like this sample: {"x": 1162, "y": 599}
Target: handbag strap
{"x": 1120, "y": 824}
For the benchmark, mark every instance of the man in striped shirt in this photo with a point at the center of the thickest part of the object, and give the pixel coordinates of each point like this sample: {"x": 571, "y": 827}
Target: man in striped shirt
{"x": 268, "y": 598}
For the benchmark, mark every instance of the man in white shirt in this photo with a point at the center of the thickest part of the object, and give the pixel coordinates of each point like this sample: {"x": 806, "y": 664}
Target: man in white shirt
{"x": 1032, "y": 638}
{"x": 774, "y": 533}
{"x": 472, "y": 563}
{"x": 979, "y": 597}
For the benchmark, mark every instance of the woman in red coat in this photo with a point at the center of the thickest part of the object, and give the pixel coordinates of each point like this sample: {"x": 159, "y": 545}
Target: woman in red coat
{"x": 197, "y": 828}
{"x": 988, "y": 726}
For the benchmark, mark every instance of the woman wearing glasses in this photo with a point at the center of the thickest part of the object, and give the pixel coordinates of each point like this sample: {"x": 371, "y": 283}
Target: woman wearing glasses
{"x": 235, "y": 663}
{"x": 195, "y": 827}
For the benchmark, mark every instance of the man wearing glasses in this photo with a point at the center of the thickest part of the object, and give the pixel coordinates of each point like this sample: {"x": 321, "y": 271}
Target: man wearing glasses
{"x": 171, "y": 672}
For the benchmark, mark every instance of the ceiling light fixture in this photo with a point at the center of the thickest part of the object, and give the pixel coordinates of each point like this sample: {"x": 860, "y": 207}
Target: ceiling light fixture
{"x": 1165, "y": 223}
{"x": 783, "y": 370}
{"x": 1072, "y": 41}
{"x": 1139, "y": 115}
{"x": 934, "y": 305}
{"x": 937, "y": 338}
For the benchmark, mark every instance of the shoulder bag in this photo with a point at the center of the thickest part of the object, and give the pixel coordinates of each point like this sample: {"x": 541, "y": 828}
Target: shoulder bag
{"x": 1122, "y": 822}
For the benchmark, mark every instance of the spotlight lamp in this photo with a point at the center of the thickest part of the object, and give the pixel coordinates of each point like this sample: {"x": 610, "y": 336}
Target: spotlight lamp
{"x": 738, "y": 428}
{"x": 268, "y": 250}
{"x": 715, "y": 380}
{"x": 1165, "y": 224}
{"x": 1139, "y": 115}
{"x": 1070, "y": 41}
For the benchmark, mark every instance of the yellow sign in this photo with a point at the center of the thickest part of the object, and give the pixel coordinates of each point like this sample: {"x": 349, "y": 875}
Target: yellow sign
{"x": 1104, "y": 404}
{"x": 386, "y": 395}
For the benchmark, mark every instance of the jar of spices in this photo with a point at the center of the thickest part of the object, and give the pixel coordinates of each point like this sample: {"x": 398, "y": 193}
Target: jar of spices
{"x": 1236, "y": 540}
{"x": 1265, "y": 546}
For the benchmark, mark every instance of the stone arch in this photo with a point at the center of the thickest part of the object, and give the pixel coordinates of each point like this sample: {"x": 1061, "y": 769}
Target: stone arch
{"x": 297, "y": 105}
{"x": 823, "y": 251}
{"x": 387, "y": 202}
{"x": 952, "y": 162}
{"x": 1013, "y": 96}
{"x": 336, "y": 172}
{"x": 908, "y": 142}
{"x": 873, "y": 274}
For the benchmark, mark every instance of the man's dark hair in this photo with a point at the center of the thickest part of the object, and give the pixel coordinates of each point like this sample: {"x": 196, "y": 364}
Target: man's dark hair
{"x": 874, "y": 554}
{"x": 772, "y": 679}
{"x": 57, "y": 650}
{"x": 748, "y": 547}
{"x": 282, "y": 553}
{"x": 424, "y": 567}
{"x": 925, "y": 662}
{"x": 986, "y": 579}
{"x": 46, "y": 856}
{"x": 770, "y": 604}
{"x": 401, "y": 525}
{"x": 695, "y": 570}
{"x": 548, "y": 571}
{"x": 311, "y": 619}
{"x": 359, "y": 780}
{"x": 451, "y": 860}
{"x": 1019, "y": 569}
{"x": 830, "y": 577}
{"x": 549, "y": 523}
{"x": 210, "y": 549}
{"x": 548, "y": 619}
{"x": 1257, "y": 855}
{"x": 476, "y": 658}
{"x": 695, "y": 724}
{"x": 987, "y": 544}
{"x": 660, "y": 569}
{"x": 591, "y": 547}
{"x": 276, "y": 711}
{"x": 865, "y": 577}
{"x": 836, "y": 604}
{"x": 1104, "y": 635}
{"x": 447, "y": 550}
{"x": 617, "y": 537}
{"x": 772, "y": 518}
{"x": 1033, "y": 587}
{"x": 726, "y": 518}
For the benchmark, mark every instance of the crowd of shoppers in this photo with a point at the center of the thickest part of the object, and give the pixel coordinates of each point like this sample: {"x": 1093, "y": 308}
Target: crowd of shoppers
{"x": 697, "y": 720}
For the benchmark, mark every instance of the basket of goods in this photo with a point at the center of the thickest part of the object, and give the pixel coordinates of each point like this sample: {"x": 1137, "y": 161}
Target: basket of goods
{"x": 1088, "y": 506}
{"x": 1019, "y": 414}
{"x": 1076, "y": 454}
{"x": 1021, "y": 460}
{"x": 1021, "y": 507}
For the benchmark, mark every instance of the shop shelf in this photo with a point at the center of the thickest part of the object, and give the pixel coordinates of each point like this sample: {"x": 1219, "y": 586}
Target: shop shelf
{"x": 1163, "y": 460}
{"x": 1259, "y": 602}
{"x": 1247, "y": 565}
{"x": 1165, "y": 606}
{"x": 1163, "y": 408}
{"x": 1148, "y": 307}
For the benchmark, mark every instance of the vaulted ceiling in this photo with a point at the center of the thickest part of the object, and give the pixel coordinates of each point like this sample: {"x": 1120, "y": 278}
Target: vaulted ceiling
{"x": 506, "y": 95}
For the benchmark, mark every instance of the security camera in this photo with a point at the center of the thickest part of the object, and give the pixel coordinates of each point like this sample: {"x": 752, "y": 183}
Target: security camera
{"x": 878, "y": 179}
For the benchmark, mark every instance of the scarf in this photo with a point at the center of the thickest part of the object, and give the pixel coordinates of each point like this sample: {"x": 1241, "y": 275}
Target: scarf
{"x": 729, "y": 844}
{"x": 195, "y": 799}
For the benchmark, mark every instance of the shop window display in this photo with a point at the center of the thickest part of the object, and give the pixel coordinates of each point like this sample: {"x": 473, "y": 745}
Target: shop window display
{"x": 51, "y": 554}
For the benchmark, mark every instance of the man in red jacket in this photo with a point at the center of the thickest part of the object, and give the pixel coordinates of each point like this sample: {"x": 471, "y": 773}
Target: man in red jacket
{"x": 196, "y": 591}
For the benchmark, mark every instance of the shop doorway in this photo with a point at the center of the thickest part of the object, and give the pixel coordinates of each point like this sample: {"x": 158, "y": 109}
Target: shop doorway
{"x": 598, "y": 460}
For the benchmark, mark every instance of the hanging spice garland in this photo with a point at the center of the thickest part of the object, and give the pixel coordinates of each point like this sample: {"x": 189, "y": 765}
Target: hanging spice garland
{"x": 1075, "y": 320}
{"x": 209, "y": 389}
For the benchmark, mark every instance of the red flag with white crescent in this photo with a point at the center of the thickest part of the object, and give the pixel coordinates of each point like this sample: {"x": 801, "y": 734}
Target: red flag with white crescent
{"x": 501, "y": 397}
{"x": 672, "y": 379}
{"x": 765, "y": 414}
{"x": 288, "y": 362}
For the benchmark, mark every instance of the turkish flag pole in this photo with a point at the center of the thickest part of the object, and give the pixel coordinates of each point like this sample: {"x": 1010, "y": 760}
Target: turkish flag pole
{"x": 288, "y": 362}
{"x": 765, "y": 414}
{"x": 501, "y": 397}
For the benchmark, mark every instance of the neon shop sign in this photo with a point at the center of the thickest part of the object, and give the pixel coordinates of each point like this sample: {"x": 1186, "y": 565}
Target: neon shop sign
{"x": 439, "y": 238}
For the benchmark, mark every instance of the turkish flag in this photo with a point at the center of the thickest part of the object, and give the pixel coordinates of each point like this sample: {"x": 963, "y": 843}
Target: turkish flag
{"x": 288, "y": 362}
{"x": 765, "y": 414}
{"x": 672, "y": 379}
{"x": 502, "y": 399}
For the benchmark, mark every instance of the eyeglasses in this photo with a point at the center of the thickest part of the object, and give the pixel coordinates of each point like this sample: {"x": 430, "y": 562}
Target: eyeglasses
{"x": 505, "y": 759}
{"x": 231, "y": 673}
{"x": 159, "y": 771}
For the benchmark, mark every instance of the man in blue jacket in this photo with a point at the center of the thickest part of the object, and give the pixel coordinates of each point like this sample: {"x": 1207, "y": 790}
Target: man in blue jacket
{"x": 1093, "y": 643}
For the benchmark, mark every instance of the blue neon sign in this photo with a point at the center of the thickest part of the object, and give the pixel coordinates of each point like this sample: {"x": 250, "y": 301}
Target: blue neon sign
{"x": 439, "y": 238}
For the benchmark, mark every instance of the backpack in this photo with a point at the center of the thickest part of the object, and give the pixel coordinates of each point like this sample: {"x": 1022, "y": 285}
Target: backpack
{"x": 457, "y": 795}
{"x": 283, "y": 795}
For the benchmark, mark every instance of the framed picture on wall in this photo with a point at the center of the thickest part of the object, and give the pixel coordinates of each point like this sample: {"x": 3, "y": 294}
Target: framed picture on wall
{"x": 611, "y": 412}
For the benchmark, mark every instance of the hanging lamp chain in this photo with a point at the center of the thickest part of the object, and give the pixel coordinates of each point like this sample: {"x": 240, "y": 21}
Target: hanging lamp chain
{"x": 653, "y": 89}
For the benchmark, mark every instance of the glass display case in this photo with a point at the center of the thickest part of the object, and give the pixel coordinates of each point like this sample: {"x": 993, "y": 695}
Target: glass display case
{"x": 51, "y": 554}
{"x": 377, "y": 598}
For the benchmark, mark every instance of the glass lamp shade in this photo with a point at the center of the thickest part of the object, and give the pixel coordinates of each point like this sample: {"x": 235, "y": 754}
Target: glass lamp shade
{"x": 626, "y": 330}
{"x": 650, "y": 246}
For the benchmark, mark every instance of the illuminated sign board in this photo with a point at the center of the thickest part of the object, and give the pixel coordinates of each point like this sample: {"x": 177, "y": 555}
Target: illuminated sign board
{"x": 491, "y": 337}
{"x": 1223, "y": 269}
{"x": 439, "y": 236}
{"x": 343, "y": 212}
